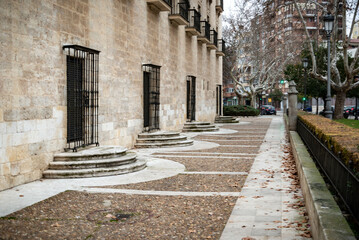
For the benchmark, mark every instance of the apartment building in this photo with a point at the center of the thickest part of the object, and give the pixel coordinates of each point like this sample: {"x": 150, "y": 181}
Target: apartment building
{"x": 76, "y": 73}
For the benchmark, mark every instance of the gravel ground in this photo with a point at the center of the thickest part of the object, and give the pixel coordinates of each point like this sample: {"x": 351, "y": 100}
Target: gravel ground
{"x": 221, "y": 149}
{"x": 191, "y": 183}
{"x": 75, "y": 215}
{"x": 234, "y": 142}
{"x": 214, "y": 164}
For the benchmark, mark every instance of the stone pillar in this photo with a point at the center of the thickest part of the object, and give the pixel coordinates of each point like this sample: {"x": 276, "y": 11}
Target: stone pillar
{"x": 285, "y": 98}
{"x": 292, "y": 108}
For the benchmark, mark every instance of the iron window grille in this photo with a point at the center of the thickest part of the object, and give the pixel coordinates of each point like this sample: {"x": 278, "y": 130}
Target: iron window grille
{"x": 194, "y": 19}
{"x": 82, "y": 96}
{"x": 205, "y": 29}
{"x": 214, "y": 37}
{"x": 191, "y": 98}
{"x": 151, "y": 96}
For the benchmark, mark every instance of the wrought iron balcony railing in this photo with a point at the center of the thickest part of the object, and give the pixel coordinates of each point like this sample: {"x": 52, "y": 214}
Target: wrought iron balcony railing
{"x": 221, "y": 45}
{"x": 214, "y": 37}
{"x": 160, "y": 5}
{"x": 205, "y": 30}
{"x": 179, "y": 13}
{"x": 194, "y": 19}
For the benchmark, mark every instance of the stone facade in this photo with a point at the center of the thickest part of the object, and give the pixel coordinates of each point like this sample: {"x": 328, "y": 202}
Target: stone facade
{"x": 33, "y": 104}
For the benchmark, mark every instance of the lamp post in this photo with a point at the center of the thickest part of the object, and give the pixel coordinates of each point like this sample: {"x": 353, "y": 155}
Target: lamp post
{"x": 328, "y": 27}
{"x": 305, "y": 65}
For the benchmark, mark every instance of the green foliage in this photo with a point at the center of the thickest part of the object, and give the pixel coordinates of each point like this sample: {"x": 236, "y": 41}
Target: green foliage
{"x": 276, "y": 95}
{"x": 240, "y": 110}
{"x": 349, "y": 122}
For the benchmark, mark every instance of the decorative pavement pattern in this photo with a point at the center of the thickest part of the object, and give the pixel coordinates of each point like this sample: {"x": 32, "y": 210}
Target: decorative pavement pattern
{"x": 237, "y": 183}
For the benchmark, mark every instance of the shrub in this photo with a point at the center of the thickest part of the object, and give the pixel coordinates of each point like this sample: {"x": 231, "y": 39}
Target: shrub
{"x": 240, "y": 110}
{"x": 341, "y": 139}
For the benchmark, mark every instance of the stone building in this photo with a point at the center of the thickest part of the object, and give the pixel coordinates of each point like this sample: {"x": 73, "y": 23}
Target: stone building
{"x": 82, "y": 72}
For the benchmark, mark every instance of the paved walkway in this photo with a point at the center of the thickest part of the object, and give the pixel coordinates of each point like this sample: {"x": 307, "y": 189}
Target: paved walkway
{"x": 264, "y": 209}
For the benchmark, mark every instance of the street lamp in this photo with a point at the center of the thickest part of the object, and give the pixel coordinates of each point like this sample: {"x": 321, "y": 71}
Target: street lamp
{"x": 328, "y": 27}
{"x": 305, "y": 65}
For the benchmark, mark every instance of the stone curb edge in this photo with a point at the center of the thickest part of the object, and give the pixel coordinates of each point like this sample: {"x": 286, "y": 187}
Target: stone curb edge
{"x": 325, "y": 217}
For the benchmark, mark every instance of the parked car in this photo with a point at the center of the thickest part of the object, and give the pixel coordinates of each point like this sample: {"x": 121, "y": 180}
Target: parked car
{"x": 268, "y": 110}
{"x": 349, "y": 111}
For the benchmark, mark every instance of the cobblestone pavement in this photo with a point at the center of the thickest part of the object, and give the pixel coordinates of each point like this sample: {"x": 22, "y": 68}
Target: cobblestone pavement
{"x": 237, "y": 183}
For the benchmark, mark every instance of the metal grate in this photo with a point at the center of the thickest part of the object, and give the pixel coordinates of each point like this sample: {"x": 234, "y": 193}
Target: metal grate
{"x": 191, "y": 98}
{"x": 82, "y": 96}
{"x": 345, "y": 182}
{"x": 151, "y": 96}
{"x": 194, "y": 19}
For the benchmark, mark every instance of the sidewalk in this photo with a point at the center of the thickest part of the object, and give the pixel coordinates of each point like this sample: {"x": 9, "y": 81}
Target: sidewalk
{"x": 232, "y": 184}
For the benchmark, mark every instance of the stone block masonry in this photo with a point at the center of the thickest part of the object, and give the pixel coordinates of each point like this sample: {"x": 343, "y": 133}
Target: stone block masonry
{"x": 33, "y": 74}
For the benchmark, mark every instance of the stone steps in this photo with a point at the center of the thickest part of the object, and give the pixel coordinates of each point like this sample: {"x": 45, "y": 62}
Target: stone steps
{"x": 97, "y": 163}
{"x": 199, "y": 127}
{"x": 162, "y": 139}
{"x": 94, "y": 162}
{"x": 226, "y": 119}
{"x": 96, "y": 172}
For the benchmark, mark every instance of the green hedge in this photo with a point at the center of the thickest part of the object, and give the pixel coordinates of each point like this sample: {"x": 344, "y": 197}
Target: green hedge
{"x": 240, "y": 110}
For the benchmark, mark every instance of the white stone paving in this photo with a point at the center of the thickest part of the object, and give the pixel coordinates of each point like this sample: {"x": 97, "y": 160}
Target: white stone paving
{"x": 263, "y": 209}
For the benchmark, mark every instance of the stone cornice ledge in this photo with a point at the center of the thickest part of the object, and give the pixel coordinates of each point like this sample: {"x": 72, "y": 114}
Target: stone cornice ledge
{"x": 325, "y": 217}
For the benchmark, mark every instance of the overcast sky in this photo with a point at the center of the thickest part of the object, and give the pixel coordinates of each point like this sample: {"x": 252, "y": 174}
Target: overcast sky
{"x": 228, "y": 6}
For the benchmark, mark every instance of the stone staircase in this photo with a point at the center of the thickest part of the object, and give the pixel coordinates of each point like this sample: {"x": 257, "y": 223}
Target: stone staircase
{"x": 94, "y": 162}
{"x": 199, "y": 127}
{"x": 162, "y": 139}
{"x": 226, "y": 119}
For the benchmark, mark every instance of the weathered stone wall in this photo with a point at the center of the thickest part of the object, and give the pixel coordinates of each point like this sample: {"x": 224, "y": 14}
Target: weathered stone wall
{"x": 128, "y": 34}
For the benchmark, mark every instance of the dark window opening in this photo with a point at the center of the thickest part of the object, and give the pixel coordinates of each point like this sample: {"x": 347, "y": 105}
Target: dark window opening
{"x": 219, "y": 100}
{"x": 191, "y": 98}
{"x": 82, "y": 96}
{"x": 151, "y": 97}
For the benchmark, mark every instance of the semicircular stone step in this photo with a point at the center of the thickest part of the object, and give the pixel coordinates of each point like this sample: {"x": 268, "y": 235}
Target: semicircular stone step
{"x": 159, "y": 134}
{"x": 97, "y": 163}
{"x": 164, "y": 144}
{"x": 199, "y": 126}
{"x": 162, "y": 139}
{"x": 96, "y": 172}
{"x": 92, "y": 153}
{"x": 197, "y": 123}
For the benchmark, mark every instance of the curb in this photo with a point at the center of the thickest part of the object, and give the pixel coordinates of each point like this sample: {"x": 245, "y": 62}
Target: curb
{"x": 325, "y": 217}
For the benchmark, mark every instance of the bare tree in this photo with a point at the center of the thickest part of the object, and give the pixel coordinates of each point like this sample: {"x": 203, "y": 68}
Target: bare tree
{"x": 341, "y": 83}
{"x": 257, "y": 53}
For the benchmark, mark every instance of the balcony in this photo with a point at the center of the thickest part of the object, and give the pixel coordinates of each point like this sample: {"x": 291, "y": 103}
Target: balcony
{"x": 219, "y": 6}
{"x": 179, "y": 14}
{"x": 221, "y": 48}
{"x": 159, "y": 5}
{"x": 213, "y": 40}
{"x": 194, "y": 27}
{"x": 205, "y": 34}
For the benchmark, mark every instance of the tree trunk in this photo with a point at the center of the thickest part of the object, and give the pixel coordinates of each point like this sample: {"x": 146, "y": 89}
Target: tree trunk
{"x": 339, "y": 105}
{"x": 253, "y": 100}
